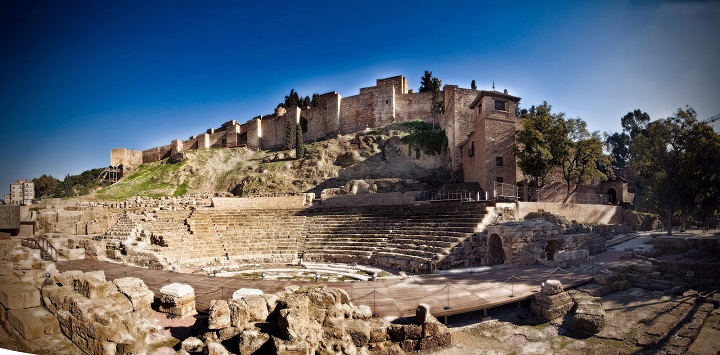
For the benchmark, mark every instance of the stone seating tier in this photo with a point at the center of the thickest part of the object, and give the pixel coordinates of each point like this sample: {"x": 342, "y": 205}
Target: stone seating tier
{"x": 403, "y": 237}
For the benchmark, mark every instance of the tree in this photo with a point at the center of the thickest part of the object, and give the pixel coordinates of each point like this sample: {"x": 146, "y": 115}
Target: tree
{"x": 292, "y": 99}
{"x": 46, "y": 186}
{"x": 300, "y": 145}
{"x": 432, "y": 84}
{"x": 472, "y": 85}
{"x": 618, "y": 144}
{"x": 289, "y": 134}
{"x": 426, "y": 82}
{"x": 315, "y": 100}
{"x": 635, "y": 122}
{"x": 306, "y": 101}
{"x": 678, "y": 161}
{"x": 540, "y": 143}
{"x": 584, "y": 157}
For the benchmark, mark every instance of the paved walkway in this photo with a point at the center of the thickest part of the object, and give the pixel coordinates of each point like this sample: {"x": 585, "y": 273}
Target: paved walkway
{"x": 446, "y": 294}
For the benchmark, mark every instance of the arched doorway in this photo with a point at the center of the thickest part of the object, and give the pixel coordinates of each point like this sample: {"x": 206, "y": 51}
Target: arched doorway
{"x": 613, "y": 196}
{"x": 552, "y": 248}
{"x": 495, "y": 249}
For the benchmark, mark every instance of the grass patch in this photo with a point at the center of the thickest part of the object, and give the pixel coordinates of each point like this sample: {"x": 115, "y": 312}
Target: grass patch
{"x": 181, "y": 190}
{"x": 149, "y": 180}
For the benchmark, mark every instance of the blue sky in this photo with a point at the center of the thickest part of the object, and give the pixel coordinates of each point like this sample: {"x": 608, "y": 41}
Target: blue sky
{"x": 78, "y": 78}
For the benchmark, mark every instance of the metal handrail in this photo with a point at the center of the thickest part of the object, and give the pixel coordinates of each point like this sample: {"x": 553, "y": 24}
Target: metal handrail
{"x": 48, "y": 247}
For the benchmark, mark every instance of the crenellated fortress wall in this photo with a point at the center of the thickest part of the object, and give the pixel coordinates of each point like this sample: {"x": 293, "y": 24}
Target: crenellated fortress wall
{"x": 388, "y": 102}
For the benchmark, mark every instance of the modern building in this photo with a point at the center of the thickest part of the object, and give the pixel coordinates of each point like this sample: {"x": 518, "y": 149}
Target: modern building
{"x": 22, "y": 192}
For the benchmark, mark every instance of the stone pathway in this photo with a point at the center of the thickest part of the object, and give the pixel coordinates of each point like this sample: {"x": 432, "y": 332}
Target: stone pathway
{"x": 446, "y": 294}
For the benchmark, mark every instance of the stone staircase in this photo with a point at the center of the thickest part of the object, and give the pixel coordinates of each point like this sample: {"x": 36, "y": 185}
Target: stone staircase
{"x": 124, "y": 230}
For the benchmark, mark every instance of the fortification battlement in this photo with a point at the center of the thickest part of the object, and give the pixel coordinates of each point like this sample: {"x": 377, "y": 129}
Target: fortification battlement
{"x": 390, "y": 101}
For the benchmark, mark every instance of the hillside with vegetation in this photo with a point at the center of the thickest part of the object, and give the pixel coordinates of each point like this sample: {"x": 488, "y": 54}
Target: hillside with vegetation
{"x": 398, "y": 157}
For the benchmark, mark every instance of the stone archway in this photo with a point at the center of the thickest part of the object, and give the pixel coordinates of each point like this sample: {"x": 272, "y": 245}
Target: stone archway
{"x": 612, "y": 196}
{"x": 495, "y": 250}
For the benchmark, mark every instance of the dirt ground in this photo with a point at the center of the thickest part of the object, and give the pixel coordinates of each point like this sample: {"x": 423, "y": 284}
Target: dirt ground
{"x": 515, "y": 330}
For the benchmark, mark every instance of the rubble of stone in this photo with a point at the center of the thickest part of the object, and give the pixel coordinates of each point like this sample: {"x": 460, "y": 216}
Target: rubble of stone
{"x": 589, "y": 315}
{"x": 308, "y": 320}
{"x": 552, "y": 302}
{"x": 97, "y": 316}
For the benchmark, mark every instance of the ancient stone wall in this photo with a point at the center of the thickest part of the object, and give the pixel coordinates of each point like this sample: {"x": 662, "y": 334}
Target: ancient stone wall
{"x": 324, "y": 119}
{"x": 9, "y": 217}
{"x": 457, "y": 120}
{"x": 125, "y": 157}
{"x": 273, "y": 132}
{"x": 378, "y": 199}
{"x": 585, "y": 214}
{"x": 157, "y": 153}
{"x": 280, "y": 202}
{"x": 417, "y": 106}
{"x": 373, "y": 107}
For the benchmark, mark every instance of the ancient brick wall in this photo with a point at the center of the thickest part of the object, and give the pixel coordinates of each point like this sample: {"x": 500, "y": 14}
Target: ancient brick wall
{"x": 254, "y": 133}
{"x": 585, "y": 214}
{"x": 126, "y": 157}
{"x": 279, "y": 202}
{"x": 374, "y": 107}
{"x": 157, "y": 153}
{"x": 458, "y": 120}
{"x": 324, "y": 119}
{"x": 399, "y": 82}
{"x": 378, "y": 199}
{"x": 410, "y": 107}
{"x": 9, "y": 217}
{"x": 273, "y": 132}
{"x": 191, "y": 143}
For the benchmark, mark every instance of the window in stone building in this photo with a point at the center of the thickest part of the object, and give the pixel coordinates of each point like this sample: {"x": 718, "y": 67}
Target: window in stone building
{"x": 499, "y": 179}
{"x": 499, "y": 161}
{"x": 471, "y": 151}
{"x": 500, "y": 105}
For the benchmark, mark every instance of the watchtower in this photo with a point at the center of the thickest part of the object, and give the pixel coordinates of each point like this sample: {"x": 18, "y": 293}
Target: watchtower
{"x": 488, "y": 151}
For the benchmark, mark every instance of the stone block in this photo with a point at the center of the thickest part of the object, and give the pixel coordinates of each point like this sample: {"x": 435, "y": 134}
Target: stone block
{"x": 213, "y": 348}
{"x": 177, "y": 290}
{"x": 94, "y": 288}
{"x": 192, "y": 344}
{"x": 435, "y": 341}
{"x": 6, "y": 268}
{"x": 552, "y": 287}
{"x": 250, "y": 341}
{"x": 136, "y": 291}
{"x": 433, "y": 328}
{"x": 219, "y": 317}
{"x": 172, "y": 301}
{"x": 242, "y": 292}
{"x": 362, "y": 312}
{"x": 33, "y": 323}
{"x": 409, "y": 345}
{"x": 413, "y": 331}
{"x": 228, "y": 333}
{"x": 19, "y": 296}
{"x": 184, "y": 310}
{"x": 257, "y": 307}
{"x": 68, "y": 278}
{"x": 422, "y": 313}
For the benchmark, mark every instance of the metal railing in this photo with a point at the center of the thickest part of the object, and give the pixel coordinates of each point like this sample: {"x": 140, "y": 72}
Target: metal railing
{"x": 42, "y": 244}
{"x": 505, "y": 191}
{"x": 592, "y": 199}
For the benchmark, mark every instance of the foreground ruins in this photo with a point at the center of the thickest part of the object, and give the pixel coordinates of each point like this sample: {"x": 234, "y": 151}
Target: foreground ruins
{"x": 621, "y": 291}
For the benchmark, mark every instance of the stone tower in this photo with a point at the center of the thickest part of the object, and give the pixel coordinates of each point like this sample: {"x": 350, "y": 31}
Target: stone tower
{"x": 488, "y": 151}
